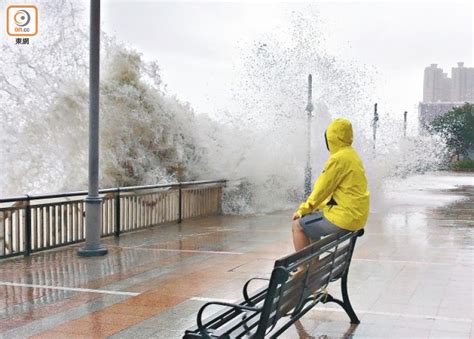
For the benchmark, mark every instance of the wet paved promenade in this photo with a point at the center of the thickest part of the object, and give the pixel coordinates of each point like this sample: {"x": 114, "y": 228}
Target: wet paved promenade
{"x": 411, "y": 276}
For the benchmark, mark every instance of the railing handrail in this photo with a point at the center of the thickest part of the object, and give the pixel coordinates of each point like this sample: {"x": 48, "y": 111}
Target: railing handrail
{"x": 110, "y": 190}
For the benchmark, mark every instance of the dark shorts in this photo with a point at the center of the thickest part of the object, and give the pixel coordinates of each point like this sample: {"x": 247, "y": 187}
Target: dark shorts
{"x": 315, "y": 226}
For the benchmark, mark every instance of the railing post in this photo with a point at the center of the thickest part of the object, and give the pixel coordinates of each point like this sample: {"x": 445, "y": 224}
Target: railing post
{"x": 27, "y": 227}
{"x": 117, "y": 213}
{"x": 180, "y": 204}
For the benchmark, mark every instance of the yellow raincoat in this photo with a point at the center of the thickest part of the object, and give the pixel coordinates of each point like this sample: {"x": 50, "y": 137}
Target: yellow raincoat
{"x": 341, "y": 189}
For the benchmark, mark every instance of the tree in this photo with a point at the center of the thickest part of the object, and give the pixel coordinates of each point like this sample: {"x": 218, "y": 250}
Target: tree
{"x": 457, "y": 127}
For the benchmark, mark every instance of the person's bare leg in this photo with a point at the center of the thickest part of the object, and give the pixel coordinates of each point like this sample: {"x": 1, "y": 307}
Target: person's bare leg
{"x": 300, "y": 240}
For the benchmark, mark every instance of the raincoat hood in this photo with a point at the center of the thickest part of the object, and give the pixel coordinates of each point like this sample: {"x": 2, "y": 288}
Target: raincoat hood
{"x": 339, "y": 134}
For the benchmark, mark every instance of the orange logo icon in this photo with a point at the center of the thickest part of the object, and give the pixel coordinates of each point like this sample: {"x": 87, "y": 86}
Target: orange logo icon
{"x": 22, "y": 20}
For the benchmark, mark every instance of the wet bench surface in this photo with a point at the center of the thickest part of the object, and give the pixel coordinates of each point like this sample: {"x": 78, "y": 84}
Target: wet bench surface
{"x": 410, "y": 276}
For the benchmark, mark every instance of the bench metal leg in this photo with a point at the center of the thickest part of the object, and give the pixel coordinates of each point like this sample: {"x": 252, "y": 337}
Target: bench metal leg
{"x": 345, "y": 302}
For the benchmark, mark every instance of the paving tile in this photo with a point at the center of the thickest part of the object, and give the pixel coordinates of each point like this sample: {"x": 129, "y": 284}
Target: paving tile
{"x": 89, "y": 328}
{"x": 448, "y": 335}
{"x": 378, "y": 330}
{"x": 61, "y": 335}
{"x": 140, "y": 311}
{"x": 136, "y": 333}
{"x": 167, "y": 334}
{"x": 105, "y": 317}
{"x": 378, "y": 319}
{"x": 453, "y": 326}
{"x": 418, "y": 323}
{"x": 34, "y": 325}
{"x": 409, "y": 332}
{"x": 456, "y": 311}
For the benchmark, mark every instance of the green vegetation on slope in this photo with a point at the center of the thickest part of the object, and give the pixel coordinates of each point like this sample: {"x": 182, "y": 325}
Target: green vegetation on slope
{"x": 457, "y": 127}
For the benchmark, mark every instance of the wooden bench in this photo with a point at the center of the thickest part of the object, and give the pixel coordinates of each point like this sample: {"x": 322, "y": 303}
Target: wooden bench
{"x": 270, "y": 310}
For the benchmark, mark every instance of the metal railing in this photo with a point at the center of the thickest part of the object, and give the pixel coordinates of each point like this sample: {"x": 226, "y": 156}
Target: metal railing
{"x": 33, "y": 223}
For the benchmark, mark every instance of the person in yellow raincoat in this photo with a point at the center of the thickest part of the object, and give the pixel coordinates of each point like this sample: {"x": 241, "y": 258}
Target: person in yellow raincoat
{"x": 340, "y": 199}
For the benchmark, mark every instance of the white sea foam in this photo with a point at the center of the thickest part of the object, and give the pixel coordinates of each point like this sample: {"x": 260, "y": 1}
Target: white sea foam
{"x": 149, "y": 136}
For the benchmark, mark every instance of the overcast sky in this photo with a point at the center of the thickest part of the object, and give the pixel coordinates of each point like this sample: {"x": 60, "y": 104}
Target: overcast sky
{"x": 196, "y": 43}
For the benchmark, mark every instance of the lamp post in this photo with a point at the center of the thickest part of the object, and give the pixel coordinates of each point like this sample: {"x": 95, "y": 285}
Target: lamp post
{"x": 374, "y": 124}
{"x": 93, "y": 247}
{"x": 405, "y": 124}
{"x": 309, "y": 111}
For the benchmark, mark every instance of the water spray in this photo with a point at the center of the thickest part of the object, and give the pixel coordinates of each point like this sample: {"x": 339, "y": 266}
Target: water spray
{"x": 309, "y": 111}
{"x": 260, "y": 120}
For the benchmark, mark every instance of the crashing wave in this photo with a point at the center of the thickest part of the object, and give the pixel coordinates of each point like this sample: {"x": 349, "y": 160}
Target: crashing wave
{"x": 149, "y": 136}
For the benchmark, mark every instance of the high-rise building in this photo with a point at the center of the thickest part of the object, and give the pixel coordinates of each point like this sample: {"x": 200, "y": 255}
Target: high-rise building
{"x": 462, "y": 83}
{"x": 442, "y": 93}
{"x": 432, "y": 83}
{"x": 446, "y": 83}
{"x": 437, "y": 86}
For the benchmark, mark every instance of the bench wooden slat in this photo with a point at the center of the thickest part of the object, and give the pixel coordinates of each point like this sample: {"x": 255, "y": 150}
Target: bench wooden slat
{"x": 294, "y": 298}
{"x": 318, "y": 276}
{"x": 324, "y": 261}
{"x": 322, "y": 246}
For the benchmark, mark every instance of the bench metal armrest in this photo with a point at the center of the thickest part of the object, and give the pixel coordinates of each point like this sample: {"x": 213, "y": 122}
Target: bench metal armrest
{"x": 201, "y": 327}
{"x": 245, "y": 293}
